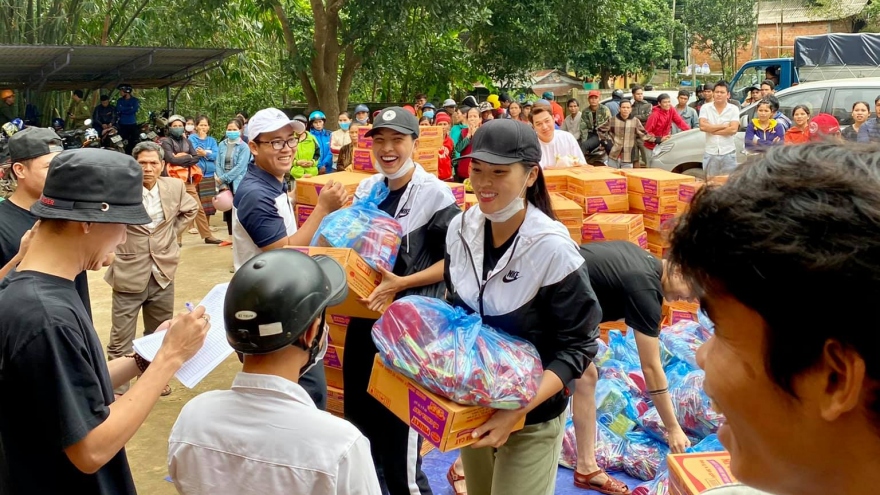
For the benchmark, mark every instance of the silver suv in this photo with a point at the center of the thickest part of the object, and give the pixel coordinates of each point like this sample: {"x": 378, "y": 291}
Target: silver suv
{"x": 683, "y": 152}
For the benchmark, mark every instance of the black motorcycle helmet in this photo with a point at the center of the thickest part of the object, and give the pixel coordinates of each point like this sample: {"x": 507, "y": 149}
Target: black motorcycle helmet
{"x": 617, "y": 94}
{"x": 276, "y": 296}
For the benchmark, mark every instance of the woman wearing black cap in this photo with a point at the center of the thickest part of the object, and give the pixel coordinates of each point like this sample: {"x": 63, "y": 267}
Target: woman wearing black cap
{"x": 424, "y": 206}
{"x": 511, "y": 262}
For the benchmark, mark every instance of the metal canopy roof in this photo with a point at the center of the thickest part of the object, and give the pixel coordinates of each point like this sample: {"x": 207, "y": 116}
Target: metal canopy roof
{"x": 40, "y": 67}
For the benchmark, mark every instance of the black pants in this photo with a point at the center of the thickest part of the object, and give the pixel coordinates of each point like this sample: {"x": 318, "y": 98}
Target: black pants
{"x": 227, "y": 215}
{"x": 130, "y": 132}
{"x": 395, "y": 447}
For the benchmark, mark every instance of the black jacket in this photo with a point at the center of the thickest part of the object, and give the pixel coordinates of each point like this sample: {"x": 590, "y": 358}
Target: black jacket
{"x": 539, "y": 291}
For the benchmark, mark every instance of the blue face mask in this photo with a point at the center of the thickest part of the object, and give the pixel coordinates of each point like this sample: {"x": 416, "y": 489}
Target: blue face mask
{"x": 176, "y": 131}
{"x": 428, "y": 114}
{"x": 344, "y": 125}
{"x": 233, "y": 135}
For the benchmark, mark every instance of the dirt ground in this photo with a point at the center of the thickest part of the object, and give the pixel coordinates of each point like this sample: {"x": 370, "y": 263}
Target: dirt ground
{"x": 201, "y": 267}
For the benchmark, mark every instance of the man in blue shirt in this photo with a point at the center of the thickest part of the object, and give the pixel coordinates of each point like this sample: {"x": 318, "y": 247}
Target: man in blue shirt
{"x": 262, "y": 214}
{"x": 127, "y": 107}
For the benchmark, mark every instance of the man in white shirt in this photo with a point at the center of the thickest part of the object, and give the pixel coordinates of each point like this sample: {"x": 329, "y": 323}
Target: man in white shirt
{"x": 142, "y": 275}
{"x": 265, "y": 435}
{"x": 720, "y": 122}
{"x": 554, "y": 143}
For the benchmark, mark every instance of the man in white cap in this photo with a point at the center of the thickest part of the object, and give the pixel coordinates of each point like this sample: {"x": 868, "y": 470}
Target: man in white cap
{"x": 262, "y": 214}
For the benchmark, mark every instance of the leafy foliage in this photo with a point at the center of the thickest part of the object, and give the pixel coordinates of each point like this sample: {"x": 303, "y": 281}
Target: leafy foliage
{"x": 721, "y": 27}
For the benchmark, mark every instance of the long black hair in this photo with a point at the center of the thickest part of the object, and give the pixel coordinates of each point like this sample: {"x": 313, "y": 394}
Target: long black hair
{"x": 537, "y": 194}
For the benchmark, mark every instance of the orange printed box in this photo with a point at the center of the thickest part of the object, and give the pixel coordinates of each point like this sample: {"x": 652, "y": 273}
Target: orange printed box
{"x": 556, "y": 180}
{"x": 568, "y": 212}
{"x": 302, "y": 213}
{"x": 334, "y": 377}
{"x": 337, "y": 333}
{"x": 363, "y": 141}
{"x": 362, "y": 161}
{"x": 335, "y": 401}
{"x": 655, "y": 221}
{"x": 362, "y": 279}
{"x": 692, "y": 474}
{"x": 611, "y": 227}
{"x": 612, "y": 203}
{"x": 653, "y": 204}
{"x": 307, "y": 189}
{"x": 656, "y": 182}
{"x": 585, "y": 182}
{"x": 657, "y": 250}
{"x": 457, "y": 191}
{"x": 438, "y": 420}
{"x": 641, "y": 241}
{"x": 687, "y": 191}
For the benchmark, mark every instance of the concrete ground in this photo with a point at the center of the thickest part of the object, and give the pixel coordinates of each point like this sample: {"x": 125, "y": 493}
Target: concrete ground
{"x": 201, "y": 267}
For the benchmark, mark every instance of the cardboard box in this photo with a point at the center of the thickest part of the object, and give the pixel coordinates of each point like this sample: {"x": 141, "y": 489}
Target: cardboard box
{"x": 575, "y": 234}
{"x": 611, "y": 227}
{"x": 431, "y": 137}
{"x": 612, "y": 203}
{"x": 568, "y": 212}
{"x": 438, "y": 420}
{"x": 337, "y": 334}
{"x": 607, "y": 326}
{"x": 687, "y": 190}
{"x": 641, "y": 241}
{"x": 658, "y": 237}
{"x": 338, "y": 319}
{"x": 307, "y": 189}
{"x": 691, "y": 474}
{"x": 302, "y": 213}
{"x": 362, "y": 279}
{"x": 334, "y": 356}
{"x": 654, "y": 221}
{"x": 334, "y": 377}
{"x": 362, "y": 161}
{"x": 591, "y": 183}
{"x": 457, "y": 191}
{"x": 657, "y": 250}
{"x": 556, "y": 180}
{"x": 656, "y": 182}
{"x": 364, "y": 142}
{"x": 653, "y": 204}
{"x": 470, "y": 200}
{"x": 682, "y": 207}
{"x": 676, "y": 311}
{"x": 335, "y": 401}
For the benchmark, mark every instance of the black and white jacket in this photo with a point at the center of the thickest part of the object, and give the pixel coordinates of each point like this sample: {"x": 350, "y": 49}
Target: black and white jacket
{"x": 539, "y": 291}
{"x": 424, "y": 212}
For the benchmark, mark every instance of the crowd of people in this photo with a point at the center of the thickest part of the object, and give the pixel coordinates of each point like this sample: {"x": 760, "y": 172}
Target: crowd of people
{"x": 794, "y": 219}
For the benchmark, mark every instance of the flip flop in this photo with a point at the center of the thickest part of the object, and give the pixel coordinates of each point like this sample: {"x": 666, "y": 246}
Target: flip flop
{"x": 610, "y": 487}
{"x": 454, "y": 477}
{"x": 166, "y": 391}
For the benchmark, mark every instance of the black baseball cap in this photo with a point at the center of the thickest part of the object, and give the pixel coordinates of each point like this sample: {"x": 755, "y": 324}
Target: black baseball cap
{"x": 33, "y": 142}
{"x": 397, "y": 119}
{"x": 93, "y": 185}
{"x": 504, "y": 142}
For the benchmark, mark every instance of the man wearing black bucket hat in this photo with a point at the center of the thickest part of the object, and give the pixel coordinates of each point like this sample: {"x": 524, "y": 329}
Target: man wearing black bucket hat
{"x": 68, "y": 435}
{"x": 267, "y": 429}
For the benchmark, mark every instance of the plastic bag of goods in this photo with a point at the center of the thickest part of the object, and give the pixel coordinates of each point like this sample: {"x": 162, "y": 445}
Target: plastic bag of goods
{"x": 451, "y": 353}
{"x": 609, "y": 448}
{"x": 676, "y": 372}
{"x": 692, "y": 407}
{"x": 603, "y": 353}
{"x": 372, "y": 233}
{"x": 644, "y": 456}
{"x": 708, "y": 444}
{"x": 569, "y": 455}
{"x": 660, "y": 486}
{"x": 621, "y": 350}
{"x": 683, "y": 339}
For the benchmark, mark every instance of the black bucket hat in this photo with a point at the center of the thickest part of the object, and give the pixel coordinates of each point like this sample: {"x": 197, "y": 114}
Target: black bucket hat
{"x": 504, "y": 142}
{"x": 93, "y": 185}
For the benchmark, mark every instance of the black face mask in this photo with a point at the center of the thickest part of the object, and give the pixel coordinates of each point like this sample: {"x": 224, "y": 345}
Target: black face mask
{"x": 318, "y": 347}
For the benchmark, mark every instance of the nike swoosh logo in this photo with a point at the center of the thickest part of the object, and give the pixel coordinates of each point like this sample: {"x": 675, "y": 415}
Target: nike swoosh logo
{"x": 509, "y": 278}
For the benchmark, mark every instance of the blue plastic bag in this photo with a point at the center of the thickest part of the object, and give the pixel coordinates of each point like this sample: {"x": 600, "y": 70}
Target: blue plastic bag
{"x": 603, "y": 353}
{"x": 644, "y": 456}
{"x": 623, "y": 350}
{"x": 692, "y": 406}
{"x": 660, "y": 486}
{"x": 452, "y": 353}
{"x": 676, "y": 372}
{"x": 371, "y": 232}
{"x": 683, "y": 339}
{"x": 708, "y": 444}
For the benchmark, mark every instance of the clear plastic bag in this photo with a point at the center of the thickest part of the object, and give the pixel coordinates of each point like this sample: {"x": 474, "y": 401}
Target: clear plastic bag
{"x": 371, "y": 232}
{"x": 683, "y": 339}
{"x": 609, "y": 449}
{"x": 603, "y": 353}
{"x": 692, "y": 407}
{"x": 644, "y": 456}
{"x": 451, "y": 353}
{"x": 660, "y": 486}
{"x": 569, "y": 455}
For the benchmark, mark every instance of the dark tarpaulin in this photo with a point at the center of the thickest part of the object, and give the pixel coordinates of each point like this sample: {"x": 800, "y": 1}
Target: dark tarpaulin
{"x": 862, "y": 49}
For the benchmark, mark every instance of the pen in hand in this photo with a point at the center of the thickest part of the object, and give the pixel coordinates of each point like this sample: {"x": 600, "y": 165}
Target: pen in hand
{"x": 190, "y": 307}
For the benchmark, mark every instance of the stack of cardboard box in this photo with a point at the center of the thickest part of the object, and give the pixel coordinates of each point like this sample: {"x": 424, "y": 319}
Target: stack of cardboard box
{"x": 333, "y": 362}
{"x": 458, "y": 191}
{"x": 654, "y": 193}
{"x": 569, "y": 214}
{"x": 362, "y": 155}
{"x": 427, "y": 154}
{"x": 692, "y": 474}
{"x": 307, "y": 190}
{"x": 596, "y": 190}
{"x": 601, "y": 227}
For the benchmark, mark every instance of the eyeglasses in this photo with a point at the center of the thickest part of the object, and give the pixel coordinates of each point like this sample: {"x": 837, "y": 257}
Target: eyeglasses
{"x": 278, "y": 144}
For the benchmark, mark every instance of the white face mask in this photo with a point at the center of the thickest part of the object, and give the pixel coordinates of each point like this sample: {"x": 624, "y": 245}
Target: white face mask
{"x": 317, "y": 355}
{"x": 404, "y": 169}
{"x": 518, "y": 204}
{"x": 190, "y": 128}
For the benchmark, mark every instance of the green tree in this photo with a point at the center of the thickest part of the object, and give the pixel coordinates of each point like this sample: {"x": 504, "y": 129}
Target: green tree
{"x": 721, "y": 27}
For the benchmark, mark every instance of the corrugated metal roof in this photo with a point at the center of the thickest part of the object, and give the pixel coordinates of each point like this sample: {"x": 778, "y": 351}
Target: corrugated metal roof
{"x": 799, "y": 11}
{"x": 93, "y": 67}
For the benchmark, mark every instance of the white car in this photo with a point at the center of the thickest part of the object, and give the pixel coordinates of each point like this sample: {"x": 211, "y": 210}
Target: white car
{"x": 683, "y": 152}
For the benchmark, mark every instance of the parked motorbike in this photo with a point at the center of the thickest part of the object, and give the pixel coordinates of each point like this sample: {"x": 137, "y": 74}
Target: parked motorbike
{"x": 111, "y": 140}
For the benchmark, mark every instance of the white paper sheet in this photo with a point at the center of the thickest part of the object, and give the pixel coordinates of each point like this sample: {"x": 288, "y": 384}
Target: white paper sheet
{"x": 215, "y": 350}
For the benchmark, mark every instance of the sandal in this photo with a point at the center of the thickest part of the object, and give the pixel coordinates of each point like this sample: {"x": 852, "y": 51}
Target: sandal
{"x": 453, "y": 478}
{"x": 610, "y": 487}
{"x": 166, "y": 391}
